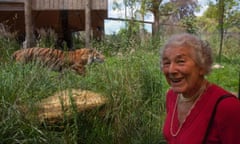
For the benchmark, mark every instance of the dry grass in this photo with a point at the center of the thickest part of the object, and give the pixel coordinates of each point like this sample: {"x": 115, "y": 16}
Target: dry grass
{"x": 66, "y": 103}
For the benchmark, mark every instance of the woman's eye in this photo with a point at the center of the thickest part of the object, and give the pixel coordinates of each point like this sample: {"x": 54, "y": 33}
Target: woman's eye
{"x": 166, "y": 63}
{"x": 180, "y": 61}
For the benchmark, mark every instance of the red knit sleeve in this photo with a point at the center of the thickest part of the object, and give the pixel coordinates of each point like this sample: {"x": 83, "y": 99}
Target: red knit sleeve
{"x": 228, "y": 121}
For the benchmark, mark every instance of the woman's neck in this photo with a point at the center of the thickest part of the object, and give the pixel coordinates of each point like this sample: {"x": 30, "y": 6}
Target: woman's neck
{"x": 194, "y": 93}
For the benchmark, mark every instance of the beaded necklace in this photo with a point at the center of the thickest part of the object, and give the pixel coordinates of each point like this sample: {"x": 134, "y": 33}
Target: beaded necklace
{"x": 184, "y": 99}
{"x": 198, "y": 95}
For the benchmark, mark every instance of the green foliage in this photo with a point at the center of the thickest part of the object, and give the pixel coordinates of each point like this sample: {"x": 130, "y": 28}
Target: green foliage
{"x": 211, "y": 12}
{"x": 7, "y": 46}
{"x": 125, "y": 42}
{"x": 227, "y": 77}
{"x": 231, "y": 12}
{"x": 190, "y": 24}
{"x": 46, "y": 37}
{"x": 206, "y": 25}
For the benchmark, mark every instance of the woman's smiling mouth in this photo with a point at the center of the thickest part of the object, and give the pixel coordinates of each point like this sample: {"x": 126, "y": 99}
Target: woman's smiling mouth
{"x": 176, "y": 81}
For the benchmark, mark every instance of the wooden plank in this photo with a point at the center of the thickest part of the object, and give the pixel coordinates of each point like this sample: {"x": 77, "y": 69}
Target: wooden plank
{"x": 40, "y": 4}
{"x": 99, "y": 4}
{"x": 33, "y": 4}
{"x": 12, "y": 7}
{"x": 68, "y": 4}
{"x": 82, "y": 4}
{"x": 95, "y": 4}
{"x": 61, "y": 4}
{"x": 12, "y": 1}
{"x": 75, "y": 4}
{"x": 65, "y": 4}
{"x": 51, "y": 4}
{"x": 55, "y": 4}
{"x": 47, "y": 4}
{"x": 37, "y": 6}
{"x": 43, "y": 4}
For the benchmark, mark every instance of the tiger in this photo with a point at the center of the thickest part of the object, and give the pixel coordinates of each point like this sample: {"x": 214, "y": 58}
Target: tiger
{"x": 59, "y": 60}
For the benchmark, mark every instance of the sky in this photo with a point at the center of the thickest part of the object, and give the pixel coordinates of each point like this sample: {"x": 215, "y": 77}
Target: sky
{"x": 112, "y": 26}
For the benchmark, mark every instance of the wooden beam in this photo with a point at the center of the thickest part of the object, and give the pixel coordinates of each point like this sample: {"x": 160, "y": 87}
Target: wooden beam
{"x": 11, "y": 7}
{"x": 140, "y": 21}
{"x": 122, "y": 19}
{"x": 12, "y": 1}
{"x": 87, "y": 23}
{"x": 29, "y": 42}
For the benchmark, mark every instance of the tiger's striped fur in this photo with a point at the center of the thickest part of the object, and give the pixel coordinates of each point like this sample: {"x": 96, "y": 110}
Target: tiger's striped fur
{"x": 59, "y": 60}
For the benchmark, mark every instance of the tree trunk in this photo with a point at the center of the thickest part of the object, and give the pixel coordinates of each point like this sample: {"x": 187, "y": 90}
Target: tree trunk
{"x": 142, "y": 34}
{"x": 221, "y": 29}
{"x": 87, "y": 23}
{"x": 142, "y": 13}
{"x": 156, "y": 13}
{"x": 156, "y": 24}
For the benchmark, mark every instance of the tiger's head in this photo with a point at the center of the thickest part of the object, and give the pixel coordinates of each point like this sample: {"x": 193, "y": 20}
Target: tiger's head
{"x": 95, "y": 56}
{"x": 89, "y": 55}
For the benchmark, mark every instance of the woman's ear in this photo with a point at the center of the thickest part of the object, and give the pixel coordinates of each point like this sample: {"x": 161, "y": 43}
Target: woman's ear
{"x": 202, "y": 72}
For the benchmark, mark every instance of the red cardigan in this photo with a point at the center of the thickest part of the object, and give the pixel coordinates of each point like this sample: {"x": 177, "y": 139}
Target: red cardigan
{"x": 226, "y": 123}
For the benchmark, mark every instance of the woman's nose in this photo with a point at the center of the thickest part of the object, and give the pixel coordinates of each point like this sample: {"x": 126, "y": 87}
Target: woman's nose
{"x": 172, "y": 68}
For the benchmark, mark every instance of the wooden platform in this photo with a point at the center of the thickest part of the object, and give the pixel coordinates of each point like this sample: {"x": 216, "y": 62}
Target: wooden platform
{"x": 46, "y": 14}
{"x": 13, "y": 5}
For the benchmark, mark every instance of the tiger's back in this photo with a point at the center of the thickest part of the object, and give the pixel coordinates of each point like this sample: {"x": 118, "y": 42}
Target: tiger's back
{"x": 58, "y": 59}
{"x": 44, "y": 56}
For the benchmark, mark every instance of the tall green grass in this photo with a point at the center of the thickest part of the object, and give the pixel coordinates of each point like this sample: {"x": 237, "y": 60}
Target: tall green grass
{"x": 134, "y": 113}
{"x": 227, "y": 77}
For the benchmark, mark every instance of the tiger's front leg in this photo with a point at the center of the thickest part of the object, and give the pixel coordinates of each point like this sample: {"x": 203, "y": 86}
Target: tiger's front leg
{"x": 79, "y": 68}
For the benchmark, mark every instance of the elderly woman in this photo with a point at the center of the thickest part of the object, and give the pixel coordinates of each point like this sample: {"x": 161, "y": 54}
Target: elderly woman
{"x": 198, "y": 111}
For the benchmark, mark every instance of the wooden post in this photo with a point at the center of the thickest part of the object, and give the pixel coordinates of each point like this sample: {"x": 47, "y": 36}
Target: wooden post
{"x": 67, "y": 34}
{"x": 87, "y": 23}
{"x": 29, "y": 38}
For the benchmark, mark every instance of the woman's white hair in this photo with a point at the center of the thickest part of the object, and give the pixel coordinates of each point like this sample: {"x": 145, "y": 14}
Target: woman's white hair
{"x": 202, "y": 53}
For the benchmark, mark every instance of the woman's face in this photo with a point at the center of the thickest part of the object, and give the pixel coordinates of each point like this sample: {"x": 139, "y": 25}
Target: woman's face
{"x": 181, "y": 71}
